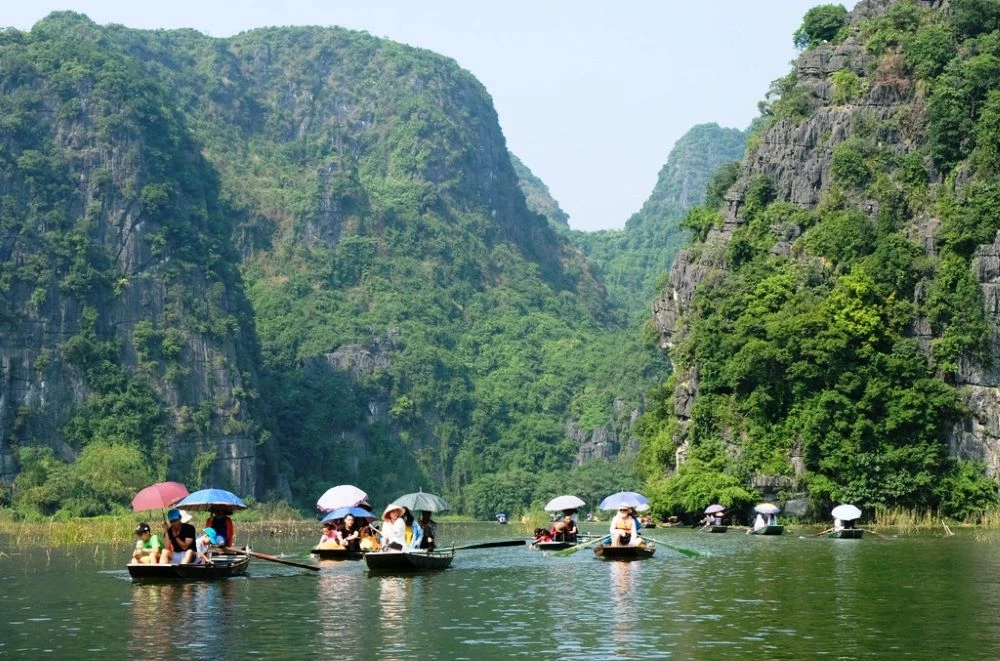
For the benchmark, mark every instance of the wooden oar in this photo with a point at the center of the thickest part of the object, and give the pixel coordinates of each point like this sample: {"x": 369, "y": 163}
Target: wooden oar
{"x": 880, "y": 536}
{"x": 491, "y": 545}
{"x": 272, "y": 558}
{"x": 819, "y": 533}
{"x": 680, "y": 549}
{"x": 573, "y": 549}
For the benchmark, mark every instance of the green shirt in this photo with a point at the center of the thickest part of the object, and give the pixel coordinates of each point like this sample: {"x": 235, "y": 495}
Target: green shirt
{"x": 150, "y": 544}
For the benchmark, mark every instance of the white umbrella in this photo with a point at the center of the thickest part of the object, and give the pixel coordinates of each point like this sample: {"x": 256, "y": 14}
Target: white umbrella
{"x": 342, "y": 495}
{"x": 767, "y": 508}
{"x": 846, "y": 512}
{"x": 560, "y": 503}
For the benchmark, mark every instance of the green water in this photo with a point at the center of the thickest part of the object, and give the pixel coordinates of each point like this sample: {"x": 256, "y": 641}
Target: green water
{"x": 920, "y": 597}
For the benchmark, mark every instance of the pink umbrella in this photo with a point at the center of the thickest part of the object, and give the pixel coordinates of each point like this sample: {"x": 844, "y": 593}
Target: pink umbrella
{"x": 342, "y": 495}
{"x": 159, "y": 496}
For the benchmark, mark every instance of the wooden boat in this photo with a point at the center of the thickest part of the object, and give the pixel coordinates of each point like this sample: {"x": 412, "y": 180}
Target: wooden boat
{"x": 223, "y": 566}
{"x": 715, "y": 528}
{"x": 846, "y": 533}
{"x": 336, "y": 554}
{"x": 559, "y": 546}
{"x": 625, "y": 553}
{"x": 408, "y": 562}
{"x": 768, "y": 530}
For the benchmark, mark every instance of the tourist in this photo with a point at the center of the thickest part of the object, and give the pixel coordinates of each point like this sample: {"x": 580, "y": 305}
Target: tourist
{"x": 623, "y": 528}
{"x": 413, "y": 533}
{"x": 329, "y": 534}
{"x": 219, "y": 521}
{"x": 393, "y": 528}
{"x": 429, "y": 526}
{"x": 348, "y": 534}
{"x": 205, "y": 541}
{"x": 180, "y": 541}
{"x": 147, "y": 547}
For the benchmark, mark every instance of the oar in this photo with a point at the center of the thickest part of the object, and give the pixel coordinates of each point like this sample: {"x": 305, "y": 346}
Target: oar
{"x": 491, "y": 545}
{"x": 573, "y": 549}
{"x": 680, "y": 549}
{"x": 819, "y": 533}
{"x": 272, "y": 558}
{"x": 875, "y": 533}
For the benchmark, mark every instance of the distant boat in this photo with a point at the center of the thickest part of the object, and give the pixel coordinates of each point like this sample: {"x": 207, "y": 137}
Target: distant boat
{"x": 625, "y": 553}
{"x": 501, "y": 517}
{"x": 223, "y": 566}
{"x": 768, "y": 530}
{"x": 408, "y": 562}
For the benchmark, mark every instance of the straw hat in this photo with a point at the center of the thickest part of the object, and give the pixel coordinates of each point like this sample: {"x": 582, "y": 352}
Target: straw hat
{"x": 392, "y": 507}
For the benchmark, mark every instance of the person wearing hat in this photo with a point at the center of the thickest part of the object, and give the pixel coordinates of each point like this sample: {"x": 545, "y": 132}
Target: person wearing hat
{"x": 393, "y": 528}
{"x": 219, "y": 521}
{"x": 205, "y": 540}
{"x": 180, "y": 541}
{"x": 623, "y": 528}
{"x": 147, "y": 547}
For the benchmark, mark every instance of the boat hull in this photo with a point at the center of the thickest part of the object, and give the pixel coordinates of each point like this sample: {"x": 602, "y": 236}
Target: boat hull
{"x": 402, "y": 562}
{"x": 223, "y": 566}
{"x": 768, "y": 530}
{"x": 847, "y": 533}
{"x": 715, "y": 529}
{"x": 625, "y": 553}
{"x": 337, "y": 554}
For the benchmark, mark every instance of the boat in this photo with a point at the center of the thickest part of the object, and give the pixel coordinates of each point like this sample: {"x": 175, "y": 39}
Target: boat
{"x": 625, "y": 553}
{"x": 768, "y": 530}
{"x": 846, "y": 533}
{"x": 223, "y": 566}
{"x": 715, "y": 528}
{"x": 408, "y": 562}
{"x": 336, "y": 554}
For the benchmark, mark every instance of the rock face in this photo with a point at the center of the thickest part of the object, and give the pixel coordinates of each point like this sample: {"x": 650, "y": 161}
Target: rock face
{"x": 796, "y": 158}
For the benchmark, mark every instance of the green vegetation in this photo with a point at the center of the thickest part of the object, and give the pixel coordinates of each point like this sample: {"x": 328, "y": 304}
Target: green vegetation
{"x": 821, "y": 23}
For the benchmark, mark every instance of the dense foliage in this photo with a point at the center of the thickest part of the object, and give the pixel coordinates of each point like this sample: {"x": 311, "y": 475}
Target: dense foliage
{"x": 810, "y": 358}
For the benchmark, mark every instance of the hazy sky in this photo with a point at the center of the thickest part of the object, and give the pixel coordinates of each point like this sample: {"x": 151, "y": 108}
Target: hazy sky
{"x": 591, "y": 94}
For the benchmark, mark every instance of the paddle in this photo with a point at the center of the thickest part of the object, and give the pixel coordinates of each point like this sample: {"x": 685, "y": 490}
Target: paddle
{"x": 272, "y": 558}
{"x": 491, "y": 545}
{"x": 875, "y": 533}
{"x": 573, "y": 549}
{"x": 680, "y": 549}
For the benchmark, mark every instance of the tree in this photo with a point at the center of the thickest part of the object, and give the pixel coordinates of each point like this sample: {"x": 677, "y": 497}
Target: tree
{"x": 819, "y": 24}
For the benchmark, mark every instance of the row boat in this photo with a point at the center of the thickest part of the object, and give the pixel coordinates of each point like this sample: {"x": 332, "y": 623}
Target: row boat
{"x": 223, "y": 566}
{"x": 846, "y": 533}
{"x": 715, "y": 528}
{"x": 559, "y": 546}
{"x": 626, "y": 553}
{"x": 336, "y": 554}
{"x": 407, "y": 562}
{"x": 768, "y": 530}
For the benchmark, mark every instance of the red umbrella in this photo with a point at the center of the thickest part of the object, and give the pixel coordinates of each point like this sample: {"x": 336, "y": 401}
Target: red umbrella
{"x": 159, "y": 496}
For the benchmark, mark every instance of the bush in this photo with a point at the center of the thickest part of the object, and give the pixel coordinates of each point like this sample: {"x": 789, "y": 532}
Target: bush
{"x": 820, "y": 24}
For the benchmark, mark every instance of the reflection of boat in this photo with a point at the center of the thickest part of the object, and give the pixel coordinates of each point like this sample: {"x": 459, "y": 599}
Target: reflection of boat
{"x": 223, "y": 566}
{"x": 608, "y": 552}
{"x": 337, "y": 554}
{"x": 715, "y": 528}
{"x": 768, "y": 530}
{"x": 405, "y": 562}
{"x": 846, "y": 533}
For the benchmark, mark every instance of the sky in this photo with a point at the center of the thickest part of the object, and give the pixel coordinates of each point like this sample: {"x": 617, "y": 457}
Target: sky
{"x": 591, "y": 94}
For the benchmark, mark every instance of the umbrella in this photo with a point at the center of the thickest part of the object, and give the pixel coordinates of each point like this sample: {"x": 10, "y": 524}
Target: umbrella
{"x": 342, "y": 495}
{"x": 208, "y": 499}
{"x": 767, "y": 508}
{"x": 713, "y": 509}
{"x": 423, "y": 502}
{"x": 159, "y": 496}
{"x": 356, "y": 512}
{"x": 564, "y": 503}
{"x": 625, "y": 499}
{"x": 846, "y": 512}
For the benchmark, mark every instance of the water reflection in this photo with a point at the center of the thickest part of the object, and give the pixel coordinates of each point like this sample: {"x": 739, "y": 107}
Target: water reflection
{"x": 340, "y": 602}
{"x": 623, "y": 596}
{"x": 198, "y": 610}
{"x": 395, "y": 608}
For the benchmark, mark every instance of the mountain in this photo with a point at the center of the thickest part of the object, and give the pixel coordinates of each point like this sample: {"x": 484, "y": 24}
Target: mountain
{"x": 289, "y": 259}
{"x": 832, "y": 325}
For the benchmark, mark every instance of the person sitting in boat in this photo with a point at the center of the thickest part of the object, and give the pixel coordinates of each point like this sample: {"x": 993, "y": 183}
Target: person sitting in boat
{"x": 760, "y": 522}
{"x": 413, "y": 533}
{"x": 772, "y": 519}
{"x": 180, "y": 541}
{"x": 564, "y": 530}
{"x": 624, "y": 531}
{"x": 203, "y": 544}
{"x": 542, "y": 535}
{"x": 838, "y": 525}
{"x": 393, "y": 528}
{"x": 429, "y": 526}
{"x": 329, "y": 537}
{"x": 218, "y": 520}
{"x": 348, "y": 535}
{"x": 147, "y": 547}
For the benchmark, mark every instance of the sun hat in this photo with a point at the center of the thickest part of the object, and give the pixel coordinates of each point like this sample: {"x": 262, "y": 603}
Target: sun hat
{"x": 392, "y": 507}
{"x": 185, "y": 516}
{"x": 212, "y": 536}
{"x": 141, "y": 528}
{"x": 174, "y": 515}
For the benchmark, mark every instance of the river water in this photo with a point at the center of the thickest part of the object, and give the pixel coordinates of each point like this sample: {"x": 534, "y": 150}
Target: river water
{"x": 788, "y": 597}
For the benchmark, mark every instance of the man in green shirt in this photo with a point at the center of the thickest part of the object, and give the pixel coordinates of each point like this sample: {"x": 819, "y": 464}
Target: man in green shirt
{"x": 147, "y": 547}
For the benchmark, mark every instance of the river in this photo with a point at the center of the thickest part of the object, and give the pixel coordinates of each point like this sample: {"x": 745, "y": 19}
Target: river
{"x": 789, "y": 597}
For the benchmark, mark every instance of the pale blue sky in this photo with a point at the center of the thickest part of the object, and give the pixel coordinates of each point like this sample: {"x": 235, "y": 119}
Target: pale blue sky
{"x": 591, "y": 94}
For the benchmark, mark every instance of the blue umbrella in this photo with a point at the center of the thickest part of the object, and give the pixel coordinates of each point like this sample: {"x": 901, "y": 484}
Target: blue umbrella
{"x": 625, "y": 499}
{"x": 356, "y": 512}
{"x": 208, "y": 499}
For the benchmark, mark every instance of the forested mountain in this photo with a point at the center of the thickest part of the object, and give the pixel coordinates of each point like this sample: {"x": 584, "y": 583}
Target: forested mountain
{"x": 833, "y": 326}
{"x": 281, "y": 261}
{"x": 631, "y": 262}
